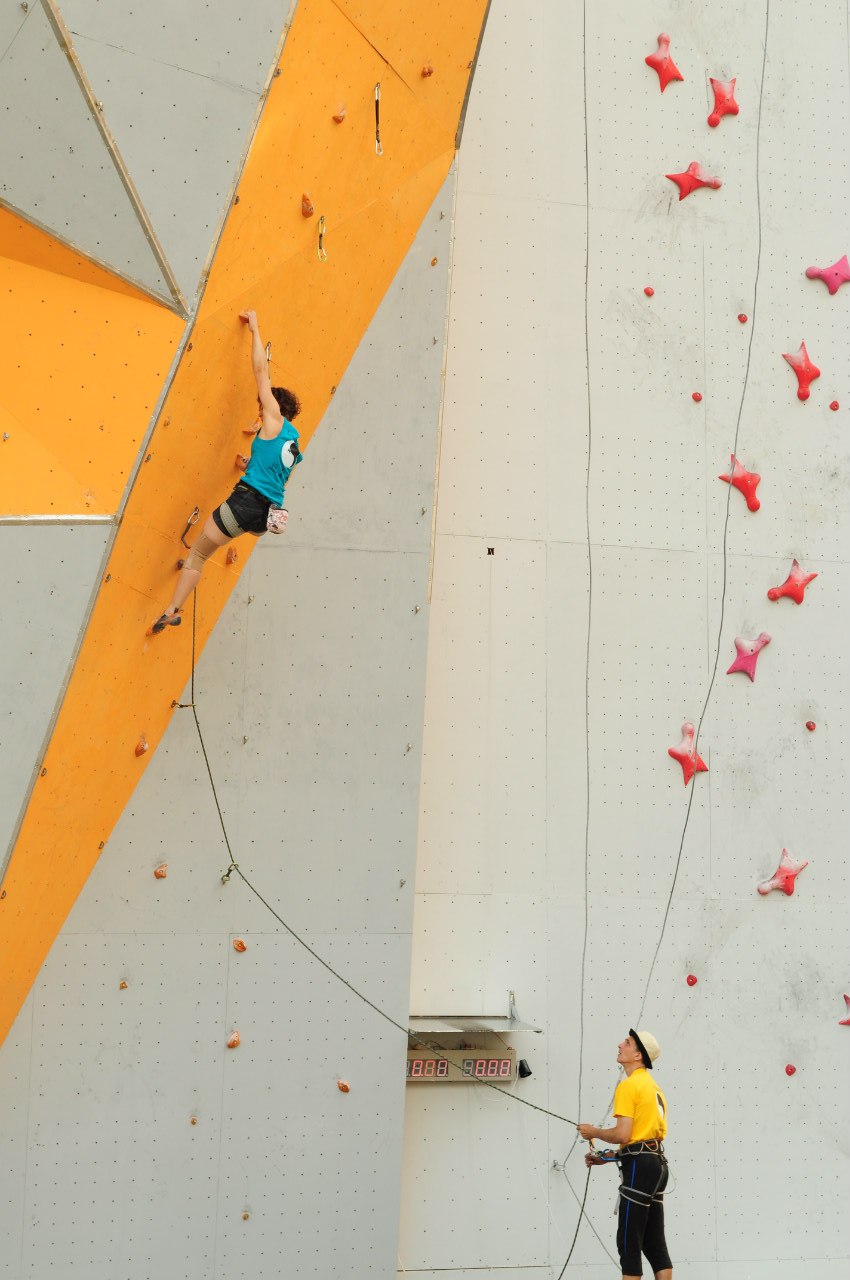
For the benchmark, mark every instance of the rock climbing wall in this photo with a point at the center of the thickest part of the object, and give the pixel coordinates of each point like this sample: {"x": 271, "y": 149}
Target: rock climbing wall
{"x": 187, "y": 1089}
{"x": 596, "y": 587}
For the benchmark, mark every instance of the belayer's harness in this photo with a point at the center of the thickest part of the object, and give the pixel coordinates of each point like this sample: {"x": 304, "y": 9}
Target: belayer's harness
{"x": 648, "y": 1147}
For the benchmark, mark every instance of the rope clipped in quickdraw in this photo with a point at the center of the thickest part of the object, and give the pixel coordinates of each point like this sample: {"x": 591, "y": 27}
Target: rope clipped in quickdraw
{"x": 322, "y": 256}
{"x": 379, "y": 150}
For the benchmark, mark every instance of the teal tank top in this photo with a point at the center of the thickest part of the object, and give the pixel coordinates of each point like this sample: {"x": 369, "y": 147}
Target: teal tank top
{"x": 272, "y": 462}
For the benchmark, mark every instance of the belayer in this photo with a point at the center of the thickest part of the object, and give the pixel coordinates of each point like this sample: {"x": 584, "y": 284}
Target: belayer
{"x": 640, "y": 1114}
{"x": 256, "y": 504}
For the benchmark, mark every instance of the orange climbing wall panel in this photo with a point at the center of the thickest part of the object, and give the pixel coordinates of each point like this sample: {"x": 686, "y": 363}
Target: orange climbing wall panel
{"x": 314, "y": 313}
{"x": 83, "y": 358}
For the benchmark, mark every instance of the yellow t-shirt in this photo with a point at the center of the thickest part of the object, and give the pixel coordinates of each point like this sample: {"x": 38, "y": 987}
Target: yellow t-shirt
{"x": 639, "y": 1097}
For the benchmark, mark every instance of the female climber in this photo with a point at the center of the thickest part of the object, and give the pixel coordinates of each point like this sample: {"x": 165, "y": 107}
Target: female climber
{"x": 256, "y": 504}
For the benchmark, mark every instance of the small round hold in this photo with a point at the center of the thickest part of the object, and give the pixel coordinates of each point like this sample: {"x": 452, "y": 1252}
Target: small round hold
{"x": 742, "y": 318}
{"x": 307, "y": 209}
{"x": 433, "y": 262}
{"x": 193, "y": 1120}
{"x": 427, "y": 71}
{"x": 834, "y": 406}
{"x": 234, "y": 1040}
{"x": 649, "y": 291}
{"x": 122, "y": 985}
{"x": 343, "y": 1086}
{"x": 232, "y": 555}
{"x": 790, "y": 1069}
{"x": 239, "y": 944}
{"x": 339, "y": 115}
{"x": 161, "y": 871}
{"x": 692, "y": 979}
{"x": 241, "y": 462}
{"x": 811, "y": 726}
{"x": 245, "y": 1216}
{"x": 180, "y": 563}
{"x": 696, "y": 396}
{"x": 141, "y": 746}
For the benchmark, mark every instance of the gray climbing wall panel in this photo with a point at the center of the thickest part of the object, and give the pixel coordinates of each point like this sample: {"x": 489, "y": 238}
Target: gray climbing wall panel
{"x": 56, "y": 168}
{"x": 310, "y": 694}
{"x": 182, "y": 112}
{"x": 574, "y": 628}
{"x": 48, "y": 573}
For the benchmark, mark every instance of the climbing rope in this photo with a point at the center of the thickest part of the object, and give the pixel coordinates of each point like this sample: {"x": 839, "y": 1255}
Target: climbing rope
{"x": 234, "y": 867}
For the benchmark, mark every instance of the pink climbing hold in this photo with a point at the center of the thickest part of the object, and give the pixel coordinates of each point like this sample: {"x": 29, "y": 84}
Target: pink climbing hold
{"x": 747, "y": 652}
{"x": 649, "y": 291}
{"x": 811, "y": 726}
{"x": 696, "y": 396}
{"x": 806, "y": 371}
{"x": 686, "y": 753}
{"x": 794, "y": 586}
{"x": 845, "y": 1022}
{"x": 742, "y": 317}
{"x": 744, "y": 481}
{"x": 661, "y": 62}
{"x": 692, "y": 980}
{"x": 833, "y": 277}
{"x": 724, "y": 101}
{"x": 692, "y": 179}
{"x": 784, "y": 876}
{"x": 790, "y": 1070}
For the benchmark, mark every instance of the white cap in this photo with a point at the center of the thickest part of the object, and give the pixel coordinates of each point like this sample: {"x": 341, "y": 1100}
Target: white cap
{"x": 648, "y": 1045}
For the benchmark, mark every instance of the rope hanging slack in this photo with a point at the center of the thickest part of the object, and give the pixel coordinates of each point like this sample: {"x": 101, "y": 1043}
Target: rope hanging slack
{"x": 234, "y": 867}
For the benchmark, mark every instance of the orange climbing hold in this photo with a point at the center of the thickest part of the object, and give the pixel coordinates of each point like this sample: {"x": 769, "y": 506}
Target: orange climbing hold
{"x": 427, "y": 71}
{"x": 343, "y": 1086}
{"x": 307, "y": 209}
{"x": 161, "y": 871}
{"x": 241, "y": 462}
{"x": 234, "y": 1041}
{"x": 141, "y": 746}
{"x": 122, "y": 986}
{"x": 339, "y": 114}
{"x": 232, "y": 555}
{"x": 239, "y": 944}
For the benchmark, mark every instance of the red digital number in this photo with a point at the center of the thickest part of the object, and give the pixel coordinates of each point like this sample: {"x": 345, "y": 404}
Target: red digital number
{"x": 442, "y": 1067}
{"x": 493, "y": 1067}
{"x": 416, "y": 1067}
{"x": 505, "y": 1067}
{"x": 430, "y": 1065}
{"x": 480, "y": 1067}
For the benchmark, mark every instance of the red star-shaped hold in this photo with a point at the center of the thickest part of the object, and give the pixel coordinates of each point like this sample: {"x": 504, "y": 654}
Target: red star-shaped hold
{"x": 663, "y": 63}
{"x": 745, "y": 481}
{"x": 833, "y": 277}
{"x": 794, "y": 585}
{"x": 845, "y": 1022}
{"x": 692, "y": 179}
{"x": 806, "y": 371}
{"x": 747, "y": 653}
{"x": 686, "y": 753}
{"x": 724, "y": 101}
{"x": 784, "y": 876}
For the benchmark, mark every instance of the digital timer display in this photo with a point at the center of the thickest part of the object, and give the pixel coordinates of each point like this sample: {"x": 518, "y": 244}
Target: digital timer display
{"x": 455, "y": 1066}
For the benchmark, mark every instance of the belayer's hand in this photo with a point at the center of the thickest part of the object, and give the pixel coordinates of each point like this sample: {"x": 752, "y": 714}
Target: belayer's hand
{"x": 590, "y": 1159}
{"x": 587, "y": 1130}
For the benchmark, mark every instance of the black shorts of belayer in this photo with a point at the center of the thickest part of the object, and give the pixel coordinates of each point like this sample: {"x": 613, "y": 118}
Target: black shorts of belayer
{"x": 245, "y": 511}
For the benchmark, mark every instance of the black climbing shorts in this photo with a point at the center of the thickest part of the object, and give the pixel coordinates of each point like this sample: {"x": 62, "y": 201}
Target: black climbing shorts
{"x": 245, "y": 511}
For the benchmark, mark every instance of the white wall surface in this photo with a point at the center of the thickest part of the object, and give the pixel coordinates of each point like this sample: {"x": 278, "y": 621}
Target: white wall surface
{"x": 562, "y": 666}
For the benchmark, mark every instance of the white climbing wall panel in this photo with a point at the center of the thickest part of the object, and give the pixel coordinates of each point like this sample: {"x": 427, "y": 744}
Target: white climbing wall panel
{"x": 586, "y": 581}
{"x": 310, "y": 694}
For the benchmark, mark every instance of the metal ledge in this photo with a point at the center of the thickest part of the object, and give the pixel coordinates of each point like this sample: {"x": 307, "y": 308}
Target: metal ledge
{"x": 449, "y": 1024}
